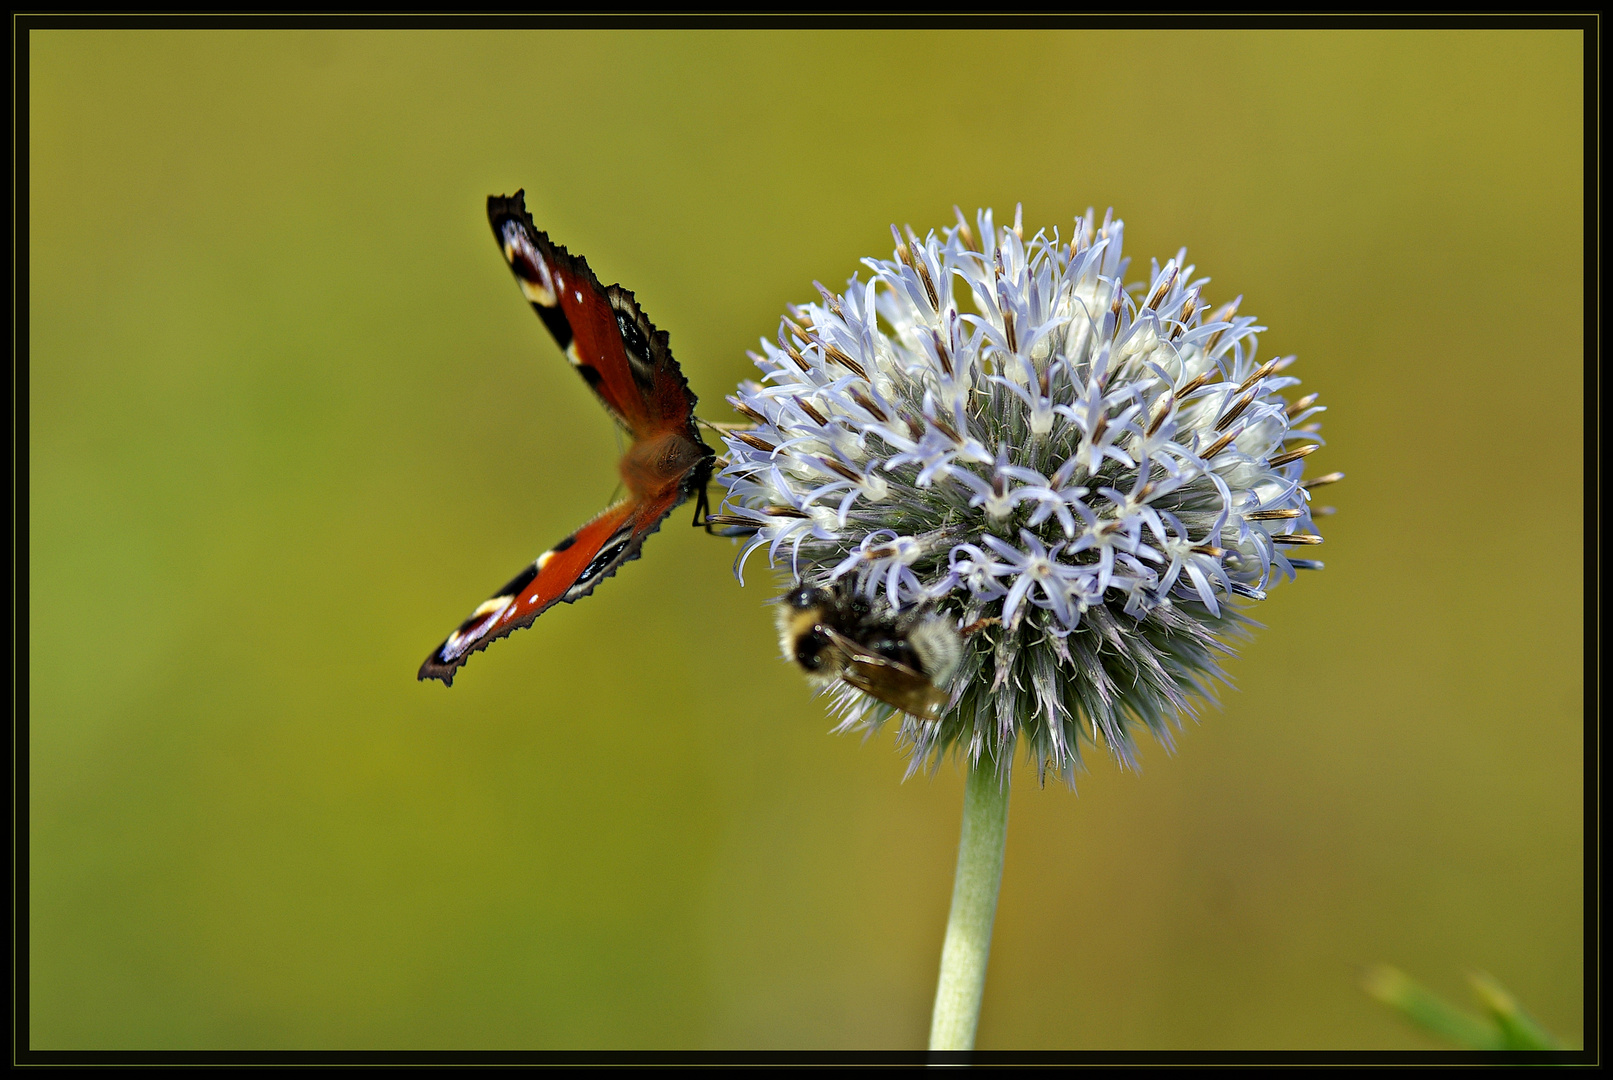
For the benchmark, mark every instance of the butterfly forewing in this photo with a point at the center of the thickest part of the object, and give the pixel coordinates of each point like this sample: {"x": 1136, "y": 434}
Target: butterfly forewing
{"x": 602, "y": 331}
{"x": 568, "y": 571}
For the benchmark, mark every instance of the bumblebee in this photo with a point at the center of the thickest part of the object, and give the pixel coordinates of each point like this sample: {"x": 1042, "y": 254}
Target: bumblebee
{"x": 903, "y": 658}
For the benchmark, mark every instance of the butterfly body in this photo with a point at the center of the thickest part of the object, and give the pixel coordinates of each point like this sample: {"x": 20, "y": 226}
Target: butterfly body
{"x": 628, "y": 364}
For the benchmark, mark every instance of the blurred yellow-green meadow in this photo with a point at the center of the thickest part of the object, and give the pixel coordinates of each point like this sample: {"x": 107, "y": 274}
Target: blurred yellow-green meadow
{"x": 290, "y": 420}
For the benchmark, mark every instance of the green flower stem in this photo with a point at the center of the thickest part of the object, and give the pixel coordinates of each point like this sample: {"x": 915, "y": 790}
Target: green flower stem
{"x": 974, "y": 906}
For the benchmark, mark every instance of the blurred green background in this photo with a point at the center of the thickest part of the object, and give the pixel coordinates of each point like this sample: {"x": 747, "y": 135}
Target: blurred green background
{"x": 290, "y": 420}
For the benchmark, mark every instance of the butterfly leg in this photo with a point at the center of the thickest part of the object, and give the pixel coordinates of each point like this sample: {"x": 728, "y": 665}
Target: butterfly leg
{"x": 731, "y": 526}
{"x": 702, "y": 510}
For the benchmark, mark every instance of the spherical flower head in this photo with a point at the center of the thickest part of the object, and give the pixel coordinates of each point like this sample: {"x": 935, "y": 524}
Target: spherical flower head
{"x": 1089, "y": 478}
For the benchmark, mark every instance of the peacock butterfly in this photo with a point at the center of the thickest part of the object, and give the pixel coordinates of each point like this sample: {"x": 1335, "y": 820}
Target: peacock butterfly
{"x": 629, "y": 365}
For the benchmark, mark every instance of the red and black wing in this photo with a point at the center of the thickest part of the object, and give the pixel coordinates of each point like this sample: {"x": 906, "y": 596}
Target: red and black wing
{"x": 568, "y": 571}
{"x": 601, "y": 329}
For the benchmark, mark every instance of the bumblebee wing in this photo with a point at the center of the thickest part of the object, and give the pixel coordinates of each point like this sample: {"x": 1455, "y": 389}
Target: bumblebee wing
{"x": 896, "y": 684}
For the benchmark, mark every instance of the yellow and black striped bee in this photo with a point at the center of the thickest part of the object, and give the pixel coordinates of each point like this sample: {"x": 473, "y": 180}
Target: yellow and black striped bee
{"x": 904, "y": 658}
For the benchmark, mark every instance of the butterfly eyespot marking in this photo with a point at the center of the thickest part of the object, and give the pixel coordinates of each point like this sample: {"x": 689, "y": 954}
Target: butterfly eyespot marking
{"x": 531, "y": 273}
{"x": 632, "y": 338}
{"x": 628, "y": 364}
{"x": 602, "y": 563}
{"x": 636, "y": 333}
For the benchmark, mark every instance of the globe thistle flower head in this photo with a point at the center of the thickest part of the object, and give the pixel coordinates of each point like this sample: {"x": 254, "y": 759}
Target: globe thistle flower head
{"x": 1090, "y": 478}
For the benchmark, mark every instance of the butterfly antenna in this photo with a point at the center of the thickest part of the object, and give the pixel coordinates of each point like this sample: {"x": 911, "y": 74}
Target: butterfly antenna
{"x": 724, "y": 429}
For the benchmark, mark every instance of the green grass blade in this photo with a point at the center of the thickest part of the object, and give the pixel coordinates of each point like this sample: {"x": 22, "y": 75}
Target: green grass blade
{"x": 1519, "y": 1030}
{"x": 1429, "y": 1011}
